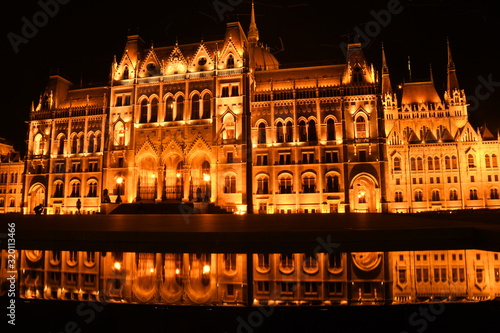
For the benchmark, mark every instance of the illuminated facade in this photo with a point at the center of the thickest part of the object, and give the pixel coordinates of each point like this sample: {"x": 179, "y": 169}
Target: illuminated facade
{"x": 11, "y": 179}
{"x": 220, "y": 122}
{"x": 339, "y": 278}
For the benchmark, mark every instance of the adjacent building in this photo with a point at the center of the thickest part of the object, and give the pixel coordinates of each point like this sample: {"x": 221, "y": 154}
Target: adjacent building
{"x": 11, "y": 178}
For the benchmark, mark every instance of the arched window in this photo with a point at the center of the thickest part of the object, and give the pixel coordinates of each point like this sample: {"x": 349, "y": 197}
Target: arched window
{"x": 98, "y": 143}
{"x": 126, "y": 73}
{"x": 179, "y": 108}
{"x": 494, "y": 194}
{"x": 38, "y": 145}
{"x": 195, "y": 107}
{"x": 205, "y": 167}
{"x": 207, "y": 107}
{"x": 473, "y": 194}
{"x": 454, "y": 163}
{"x": 361, "y": 132}
{"x": 263, "y": 185}
{"x": 59, "y": 189}
{"x": 285, "y": 184}
{"x": 169, "y": 109}
{"x": 430, "y": 163}
{"x": 119, "y": 134}
{"x": 309, "y": 183}
{"x": 447, "y": 163}
{"x": 418, "y": 196}
{"x": 330, "y": 129}
{"x": 470, "y": 159}
{"x": 312, "y": 136}
{"x": 289, "y": 132}
{"x": 75, "y": 189}
{"x": 413, "y": 164}
{"x": 398, "y": 196}
{"x": 420, "y": 166}
{"x": 302, "y": 131}
{"x": 357, "y": 75}
{"x": 453, "y": 195}
{"x": 90, "y": 148}
{"x": 435, "y": 195}
{"x": 279, "y": 133}
{"x": 437, "y": 164}
{"x": 92, "y": 189}
{"x": 74, "y": 144}
{"x": 487, "y": 161}
{"x": 61, "y": 145}
{"x": 229, "y": 126}
{"x": 230, "y": 61}
{"x": 154, "y": 111}
{"x": 332, "y": 184}
{"x": 2, "y": 202}
{"x": 397, "y": 164}
{"x": 81, "y": 143}
{"x": 262, "y": 133}
{"x": 230, "y": 184}
{"x": 144, "y": 112}
{"x": 494, "y": 161}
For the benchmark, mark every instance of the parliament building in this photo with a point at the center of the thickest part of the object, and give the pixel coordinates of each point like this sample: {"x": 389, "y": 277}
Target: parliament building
{"x": 220, "y": 122}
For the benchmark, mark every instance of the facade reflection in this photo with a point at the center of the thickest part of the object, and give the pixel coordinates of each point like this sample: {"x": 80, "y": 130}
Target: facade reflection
{"x": 209, "y": 279}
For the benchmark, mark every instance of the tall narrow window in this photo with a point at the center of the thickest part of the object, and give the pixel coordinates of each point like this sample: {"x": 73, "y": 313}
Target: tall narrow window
{"x": 447, "y": 163}
{"x": 330, "y": 129}
{"x": 430, "y": 164}
{"x": 494, "y": 161}
{"x": 90, "y": 148}
{"x": 154, "y": 111}
{"x": 229, "y": 126}
{"x": 454, "y": 163}
{"x": 81, "y": 143}
{"x": 169, "y": 109}
{"x": 61, "y": 145}
{"x": 207, "y": 109}
{"x": 279, "y": 133}
{"x": 397, "y": 164}
{"x": 230, "y": 61}
{"x": 361, "y": 128}
{"x": 195, "y": 107}
{"x": 311, "y": 135}
{"x": 98, "y": 143}
{"x": 180, "y": 108}
{"x": 262, "y": 133}
{"x": 437, "y": 163}
{"x": 470, "y": 159}
{"x": 487, "y": 161}
{"x": 289, "y": 132}
{"x": 144, "y": 112}
{"x": 74, "y": 144}
{"x": 302, "y": 131}
{"x": 126, "y": 73}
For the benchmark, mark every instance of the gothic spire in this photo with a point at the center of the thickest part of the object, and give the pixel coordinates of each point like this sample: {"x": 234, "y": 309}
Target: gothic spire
{"x": 386, "y": 80}
{"x": 253, "y": 32}
{"x": 452, "y": 75}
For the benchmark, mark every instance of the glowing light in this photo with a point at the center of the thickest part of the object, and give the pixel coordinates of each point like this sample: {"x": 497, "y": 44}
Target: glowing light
{"x": 178, "y": 175}
{"x": 119, "y": 180}
{"x": 206, "y": 177}
{"x": 153, "y": 175}
{"x": 152, "y": 270}
{"x": 206, "y": 269}
{"x": 117, "y": 266}
{"x": 177, "y": 271}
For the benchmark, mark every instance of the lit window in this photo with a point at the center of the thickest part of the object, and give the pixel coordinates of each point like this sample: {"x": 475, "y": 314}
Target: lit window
{"x": 361, "y": 128}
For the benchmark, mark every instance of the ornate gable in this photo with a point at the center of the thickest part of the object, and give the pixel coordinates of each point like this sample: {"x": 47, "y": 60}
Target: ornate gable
{"x": 230, "y": 49}
{"x": 467, "y": 134}
{"x": 202, "y": 61}
{"x": 176, "y": 62}
{"x": 198, "y": 144}
{"x": 125, "y": 64}
{"x": 147, "y": 147}
{"x": 394, "y": 138}
{"x": 172, "y": 147}
{"x": 151, "y": 66}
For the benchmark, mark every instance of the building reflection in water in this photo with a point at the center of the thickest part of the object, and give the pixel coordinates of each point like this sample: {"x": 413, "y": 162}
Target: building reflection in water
{"x": 276, "y": 279}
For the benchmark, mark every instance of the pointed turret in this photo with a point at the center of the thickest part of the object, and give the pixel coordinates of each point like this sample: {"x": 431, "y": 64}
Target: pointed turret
{"x": 386, "y": 81}
{"x": 253, "y": 32}
{"x": 452, "y": 75}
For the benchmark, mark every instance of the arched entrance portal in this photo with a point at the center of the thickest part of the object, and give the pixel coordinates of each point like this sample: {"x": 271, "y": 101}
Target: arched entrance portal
{"x": 147, "y": 180}
{"x": 201, "y": 179}
{"x": 173, "y": 178}
{"x": 36, "y": 197}
{"x": 364, "y": 194}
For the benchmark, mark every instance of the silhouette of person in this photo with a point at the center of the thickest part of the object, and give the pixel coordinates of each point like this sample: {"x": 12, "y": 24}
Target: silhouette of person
{"x": 78, "y": 205}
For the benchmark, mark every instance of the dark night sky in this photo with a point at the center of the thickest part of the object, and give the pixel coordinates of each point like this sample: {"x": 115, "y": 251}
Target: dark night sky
{"x": 81, "y": 39}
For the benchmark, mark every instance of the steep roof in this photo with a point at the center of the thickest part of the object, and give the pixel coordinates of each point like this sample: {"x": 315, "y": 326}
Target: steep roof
{"x": 420, "y": 92}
